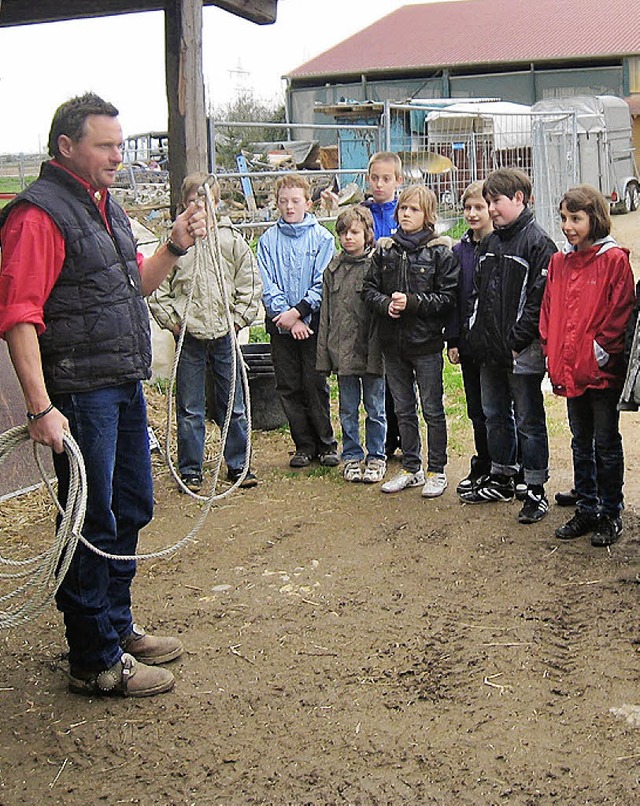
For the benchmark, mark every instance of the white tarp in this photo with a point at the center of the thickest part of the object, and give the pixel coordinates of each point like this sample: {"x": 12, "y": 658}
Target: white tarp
{"x": 508, "y": 123}
{"x": 594, "y": 113}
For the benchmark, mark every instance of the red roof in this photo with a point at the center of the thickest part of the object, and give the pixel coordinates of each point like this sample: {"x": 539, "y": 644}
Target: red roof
{"x": 474, "y": 32}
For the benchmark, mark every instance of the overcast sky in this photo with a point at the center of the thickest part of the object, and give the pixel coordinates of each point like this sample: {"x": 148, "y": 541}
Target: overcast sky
{"x": 122, "y": 59}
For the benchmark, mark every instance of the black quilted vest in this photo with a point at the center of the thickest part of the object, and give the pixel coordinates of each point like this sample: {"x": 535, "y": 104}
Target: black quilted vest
{"x": 97, "y": 322}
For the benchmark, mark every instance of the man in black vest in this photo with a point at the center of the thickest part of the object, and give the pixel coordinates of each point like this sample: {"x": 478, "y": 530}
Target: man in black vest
{"x": 73, "y": 314}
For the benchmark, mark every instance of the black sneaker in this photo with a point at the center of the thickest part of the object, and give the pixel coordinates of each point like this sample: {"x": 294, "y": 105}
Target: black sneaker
{"x": 489, "y": 489}
{"x": 250, "y": 480}
{"x": 608, "y": 531}
{"x": 478, "y": 470}
{"x": 192, "y": 482}
{"x": 535, "y": 507}
{"x": 567, "y": 499}
{"x": 329, "y": 458}
{"x": 300, "y": 459}
{"x": 581, "y": 524}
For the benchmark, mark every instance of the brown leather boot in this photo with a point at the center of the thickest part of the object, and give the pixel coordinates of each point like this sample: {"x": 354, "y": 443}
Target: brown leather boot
{"x": 151, "y": 649}
{"x": 127, "y": 677}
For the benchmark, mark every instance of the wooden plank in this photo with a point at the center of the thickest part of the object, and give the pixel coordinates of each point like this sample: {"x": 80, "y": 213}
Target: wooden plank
{"x": 25, "y": 12}
{"x": 185, "y": 93}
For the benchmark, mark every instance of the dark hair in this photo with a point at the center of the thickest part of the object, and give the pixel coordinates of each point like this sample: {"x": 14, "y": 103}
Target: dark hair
{"x": 507, "y": 182}
{"x": 69, "y": 118}
{"x": 594, "y": 204}
{"x": 356, "y": 215}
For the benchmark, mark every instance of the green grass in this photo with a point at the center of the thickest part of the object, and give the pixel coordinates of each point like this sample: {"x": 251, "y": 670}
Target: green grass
{"x": 257, "y": 334}
{"x": 457, "y": 230}
{"x": 11, "y": 184}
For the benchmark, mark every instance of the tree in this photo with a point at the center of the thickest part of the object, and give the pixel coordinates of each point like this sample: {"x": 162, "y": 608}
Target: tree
{"x": 245, "y": 108}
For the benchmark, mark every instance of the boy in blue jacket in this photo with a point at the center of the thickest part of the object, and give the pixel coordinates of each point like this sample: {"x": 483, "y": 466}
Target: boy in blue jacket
{"x": 292, "y": 256}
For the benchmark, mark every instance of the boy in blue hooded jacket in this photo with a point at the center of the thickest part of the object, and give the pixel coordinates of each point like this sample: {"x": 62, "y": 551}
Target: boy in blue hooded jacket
{"x": 292, "y": 256}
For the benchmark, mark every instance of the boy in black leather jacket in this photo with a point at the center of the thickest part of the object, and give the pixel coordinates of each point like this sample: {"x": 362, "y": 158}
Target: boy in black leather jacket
{"x": 412, "y": 287}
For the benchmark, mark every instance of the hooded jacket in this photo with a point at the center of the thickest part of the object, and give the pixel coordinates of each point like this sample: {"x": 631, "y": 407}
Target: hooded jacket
{"x": 207, "y": 318}
{"x": 348, "y": 342}
{"x": 507, "y": 295}
{"x": 384, "y": 220}
{"x": 428, "y": 274}
{"x": 586, "y": 305}
{"x": 292, "y": 259}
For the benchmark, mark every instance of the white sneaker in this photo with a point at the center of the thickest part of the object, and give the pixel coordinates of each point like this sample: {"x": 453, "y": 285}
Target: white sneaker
{"x": 374, "y": 471}
{"x": 403, "y": 480}
{"x": 435, "y": 485}
{"x": 352, "y": 471}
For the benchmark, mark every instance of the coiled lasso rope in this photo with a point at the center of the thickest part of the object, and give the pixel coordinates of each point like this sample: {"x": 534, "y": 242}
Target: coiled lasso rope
{"x": 44, "y": 573}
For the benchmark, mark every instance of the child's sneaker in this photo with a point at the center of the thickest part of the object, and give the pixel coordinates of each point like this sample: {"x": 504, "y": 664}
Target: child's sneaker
{"x": 329, "y": 458}
{"x": 535, "y": 507}
{"x": 608, "y": 531}
{"x": 403, "y": 480}
{"x": 300, "y": 459}
{"x": 352, "y": 471}
{"x": 374, "y": 471}
{"x": 490, "y": 489}
{"x": 435, "y": 485}
{"x": 477, "y": 471}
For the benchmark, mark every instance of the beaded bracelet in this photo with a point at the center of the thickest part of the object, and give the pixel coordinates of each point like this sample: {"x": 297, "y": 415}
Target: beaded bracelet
{"x": 33, "y": 417}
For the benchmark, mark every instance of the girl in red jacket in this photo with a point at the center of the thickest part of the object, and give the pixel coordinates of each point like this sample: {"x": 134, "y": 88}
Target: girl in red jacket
{"x": 587, "y": 302}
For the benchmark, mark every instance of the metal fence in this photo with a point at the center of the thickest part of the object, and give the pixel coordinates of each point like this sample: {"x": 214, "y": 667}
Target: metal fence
{"x": 448, "y": 147}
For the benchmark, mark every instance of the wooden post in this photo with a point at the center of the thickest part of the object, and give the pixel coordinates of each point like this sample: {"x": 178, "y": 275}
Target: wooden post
{"x": 185, "y": 92}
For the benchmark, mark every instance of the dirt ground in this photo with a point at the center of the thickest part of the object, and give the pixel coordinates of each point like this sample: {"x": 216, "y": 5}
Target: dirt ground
{"x": 349, "y": 647}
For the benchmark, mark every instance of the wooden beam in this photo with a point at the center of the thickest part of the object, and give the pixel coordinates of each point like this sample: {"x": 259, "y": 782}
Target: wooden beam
{"x": 185, "y": 93}
{"x": 27, "y": 12}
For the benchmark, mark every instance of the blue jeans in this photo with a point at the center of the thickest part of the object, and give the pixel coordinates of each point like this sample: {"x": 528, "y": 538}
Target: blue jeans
{"x": 110, "y": 427}
{"x": 514, "y": 408}
{"x": 190, "y": 403}
{"x": 598, "y": 461}
{"x": 370, "y": 390}
{"x": 403, "y": 374}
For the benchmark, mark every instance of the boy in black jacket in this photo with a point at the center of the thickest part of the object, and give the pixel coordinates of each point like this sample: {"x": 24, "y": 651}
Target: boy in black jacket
{"x": 504, "y": 337}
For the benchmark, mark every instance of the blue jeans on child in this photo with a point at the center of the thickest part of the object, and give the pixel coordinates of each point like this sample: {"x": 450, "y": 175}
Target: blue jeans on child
{"x": 370, "y": 389}
{"x": 190, "y": 403}
{"x": 502, "y": 392}
{"x": 598, "y": 461}
{"x": 110, "y": 427}
{"x": 403, "y": 373}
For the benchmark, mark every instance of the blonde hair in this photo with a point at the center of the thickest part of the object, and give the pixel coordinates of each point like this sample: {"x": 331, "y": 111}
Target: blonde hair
{"x": 292, "y": 181}
{"x": 192, "y": 182}
{"x": 387, "y": 156}
{"x": 356, "y": 215}
{"x": 472, "y": 191}
{"x": 426, "y": 199}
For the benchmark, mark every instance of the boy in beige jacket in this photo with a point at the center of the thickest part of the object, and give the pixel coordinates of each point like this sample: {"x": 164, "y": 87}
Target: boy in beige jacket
{"x": 208, "y": 342}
